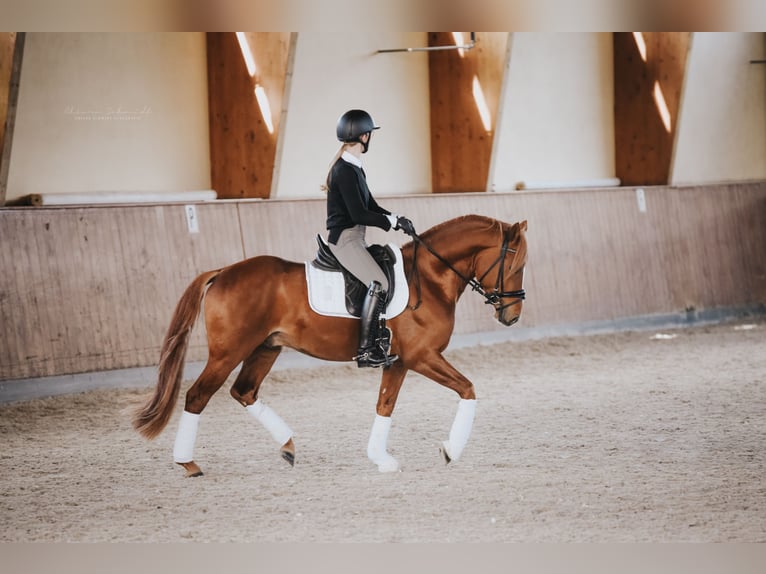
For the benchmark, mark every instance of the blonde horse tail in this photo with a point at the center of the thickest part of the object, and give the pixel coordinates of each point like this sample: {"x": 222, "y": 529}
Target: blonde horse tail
{"x": 151, "y": 418}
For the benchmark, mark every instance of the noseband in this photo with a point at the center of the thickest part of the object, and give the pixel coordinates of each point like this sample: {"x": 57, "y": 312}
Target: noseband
{"x": 494, "y": 297}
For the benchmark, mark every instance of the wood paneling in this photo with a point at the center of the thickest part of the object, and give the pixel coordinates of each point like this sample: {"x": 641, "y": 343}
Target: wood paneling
{"x": 460, "y": 145}
{"x": 84, "y": 289}
{"x": 643, "y": 145}
{"x": 94, "y": 288}
{"x": 242, "y": 150}
{"x": 293, "y": 238}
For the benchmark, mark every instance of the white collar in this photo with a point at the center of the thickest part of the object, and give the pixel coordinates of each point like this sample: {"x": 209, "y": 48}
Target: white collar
{"x": 351, "y": 158}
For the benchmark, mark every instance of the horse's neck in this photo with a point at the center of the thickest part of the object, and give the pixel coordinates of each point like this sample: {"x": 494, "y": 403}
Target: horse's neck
{"x": 460, "y": 246}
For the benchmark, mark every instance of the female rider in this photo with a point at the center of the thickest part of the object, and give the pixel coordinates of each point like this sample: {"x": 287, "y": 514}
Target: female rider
{"x": 350, "y": 210}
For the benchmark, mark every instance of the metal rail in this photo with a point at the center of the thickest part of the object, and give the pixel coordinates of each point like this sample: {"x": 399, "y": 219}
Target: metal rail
{"x": 433, "y": 48}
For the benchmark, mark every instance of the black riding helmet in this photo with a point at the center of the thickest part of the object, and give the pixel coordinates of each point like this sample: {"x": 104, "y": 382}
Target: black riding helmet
{"x": 352, "y": 125}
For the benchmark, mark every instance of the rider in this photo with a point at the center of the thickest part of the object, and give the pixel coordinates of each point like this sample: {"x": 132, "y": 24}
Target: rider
{"x": 350, "y": 210}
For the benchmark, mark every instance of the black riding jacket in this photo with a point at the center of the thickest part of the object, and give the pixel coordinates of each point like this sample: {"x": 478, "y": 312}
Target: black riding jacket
{"x": 349, "y": 201}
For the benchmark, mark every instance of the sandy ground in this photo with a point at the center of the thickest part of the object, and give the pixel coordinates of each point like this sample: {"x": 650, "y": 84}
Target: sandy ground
{"x": 620, "y": 437}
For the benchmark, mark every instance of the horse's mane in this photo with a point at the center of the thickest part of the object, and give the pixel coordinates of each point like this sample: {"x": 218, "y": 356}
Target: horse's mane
{"x": 460, "y": 224}
{"x": 463, "y": 224}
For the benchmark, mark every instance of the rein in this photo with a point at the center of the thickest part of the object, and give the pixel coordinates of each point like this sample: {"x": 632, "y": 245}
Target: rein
{"x": 494, "y": 297}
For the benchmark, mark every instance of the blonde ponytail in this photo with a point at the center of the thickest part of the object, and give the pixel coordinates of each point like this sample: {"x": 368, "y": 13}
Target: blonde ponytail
{"x": 325, "y": 187}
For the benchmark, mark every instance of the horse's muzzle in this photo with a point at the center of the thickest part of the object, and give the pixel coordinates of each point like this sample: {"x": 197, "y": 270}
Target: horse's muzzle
{"x": 508, "y": 322}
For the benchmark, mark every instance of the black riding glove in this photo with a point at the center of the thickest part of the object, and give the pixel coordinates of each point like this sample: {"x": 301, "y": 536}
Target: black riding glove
{"x": 405, "y": 225}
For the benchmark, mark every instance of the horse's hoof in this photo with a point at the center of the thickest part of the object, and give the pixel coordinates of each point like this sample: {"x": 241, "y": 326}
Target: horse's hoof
{"x": 289, "y": 457}
{"x": 388, "y": 465}
{"x": 288, "y": 451}
{"x": 192, "y": 470}
{"x": 445, "y": 454}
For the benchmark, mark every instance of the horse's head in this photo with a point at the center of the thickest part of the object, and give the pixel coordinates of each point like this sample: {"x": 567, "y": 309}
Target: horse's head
{"x": 500, "y": 270}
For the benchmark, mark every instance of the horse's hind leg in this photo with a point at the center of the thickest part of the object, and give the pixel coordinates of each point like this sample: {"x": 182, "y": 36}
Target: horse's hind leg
{"x": 210, "y": 380}
{"x": 245, "y": 391}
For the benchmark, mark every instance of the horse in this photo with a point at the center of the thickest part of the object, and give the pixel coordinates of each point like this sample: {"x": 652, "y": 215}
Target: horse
{"x": 256, "y": 307}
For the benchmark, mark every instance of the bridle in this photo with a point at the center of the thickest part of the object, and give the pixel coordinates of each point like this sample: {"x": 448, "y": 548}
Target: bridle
{"x": 494, "y": 297}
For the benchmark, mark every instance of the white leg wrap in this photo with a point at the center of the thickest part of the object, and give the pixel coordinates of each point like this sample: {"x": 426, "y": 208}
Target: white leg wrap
{"x": 271, "y": 421}
{"x": 183, "y": 450}
{"x": 376, "y": 447}
{"x": 461, "y": 428}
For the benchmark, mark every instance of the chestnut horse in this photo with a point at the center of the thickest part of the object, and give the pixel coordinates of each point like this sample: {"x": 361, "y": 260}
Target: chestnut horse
{"x": 256, "y": 307}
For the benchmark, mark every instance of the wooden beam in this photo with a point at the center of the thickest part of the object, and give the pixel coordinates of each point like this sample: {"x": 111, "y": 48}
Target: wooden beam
{"x": 645, "y": 66}
{"x": 242, "y": 144}
{"x": 7, "y": 43}
{"x": 10, "y": 75}
{"x": 461, "y": 145}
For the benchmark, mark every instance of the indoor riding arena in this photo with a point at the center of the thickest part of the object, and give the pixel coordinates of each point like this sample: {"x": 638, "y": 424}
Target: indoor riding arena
{"x": 626, "y": 403}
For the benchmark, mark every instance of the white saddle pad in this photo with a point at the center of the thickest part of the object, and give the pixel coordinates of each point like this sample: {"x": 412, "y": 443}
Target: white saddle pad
{"x": 327, "y": 294}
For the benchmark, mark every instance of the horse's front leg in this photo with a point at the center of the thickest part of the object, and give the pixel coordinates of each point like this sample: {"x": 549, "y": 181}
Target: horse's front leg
{"x": 377, "y": 450}
{"x": 437, "y": 368}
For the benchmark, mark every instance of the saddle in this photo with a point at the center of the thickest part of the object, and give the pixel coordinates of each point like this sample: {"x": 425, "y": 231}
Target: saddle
{"x": 355, "y": 289}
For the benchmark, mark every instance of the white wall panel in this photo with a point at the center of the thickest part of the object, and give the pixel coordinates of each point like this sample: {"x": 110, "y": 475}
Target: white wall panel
{"x": 557, "y": 121}
{"x": 334, "y": 72}
{"x": 111, "y": 112}
{"x": 722, "y": 128}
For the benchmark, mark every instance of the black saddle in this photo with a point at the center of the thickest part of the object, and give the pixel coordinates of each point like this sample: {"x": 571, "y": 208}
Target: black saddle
{"x": 355, "y": 289}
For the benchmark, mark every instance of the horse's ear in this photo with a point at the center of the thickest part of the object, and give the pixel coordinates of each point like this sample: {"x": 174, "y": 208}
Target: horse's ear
{"x": 517, "y": 228}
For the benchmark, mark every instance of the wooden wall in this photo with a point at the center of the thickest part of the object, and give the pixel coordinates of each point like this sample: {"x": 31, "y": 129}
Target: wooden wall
{"x": 242, "y": 150}
{"x": 85, "y": 289}
{"x": 93, "y": 288}
{"x": 461, "y": 147}
{"x": 643, "y": 145}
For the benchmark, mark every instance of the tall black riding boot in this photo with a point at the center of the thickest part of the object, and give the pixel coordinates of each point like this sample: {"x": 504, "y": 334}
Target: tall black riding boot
{"x": 374, "y": 338}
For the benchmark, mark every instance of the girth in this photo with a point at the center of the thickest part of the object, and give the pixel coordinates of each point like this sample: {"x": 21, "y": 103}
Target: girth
{"x": 355, "y": 289}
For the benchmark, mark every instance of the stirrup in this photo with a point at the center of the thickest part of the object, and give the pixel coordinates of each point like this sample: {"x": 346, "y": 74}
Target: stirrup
{"x": 368, "y": 358}
{"x": 377, "y": 355}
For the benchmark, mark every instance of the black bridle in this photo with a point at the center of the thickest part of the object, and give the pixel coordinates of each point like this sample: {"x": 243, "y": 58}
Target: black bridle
{"x": 494, "y": 297}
